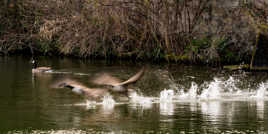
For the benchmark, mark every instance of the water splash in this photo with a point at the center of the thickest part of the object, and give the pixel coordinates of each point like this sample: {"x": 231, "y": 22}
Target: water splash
{"x": 261, "y": 91}
{"x": 213, "y": 90}
{"x": 166, "y": 95}
{"x": 221, "y": 90}
{"x": 216, "y": 90}
{"x": 192, "y": 92}
{"x": 165, "y": 100}
{"x": 139, "y": 100}
{"x": 230, "y": 84}
{"x": 108, "y": 102}
{"x": 135, "y": 98}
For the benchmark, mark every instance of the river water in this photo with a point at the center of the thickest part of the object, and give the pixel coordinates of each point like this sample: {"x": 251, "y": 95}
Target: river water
{"x": 168, "y": 99}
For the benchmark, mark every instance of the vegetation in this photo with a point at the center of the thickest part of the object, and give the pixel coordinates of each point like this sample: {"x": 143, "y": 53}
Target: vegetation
{"x": 197, "y": 31}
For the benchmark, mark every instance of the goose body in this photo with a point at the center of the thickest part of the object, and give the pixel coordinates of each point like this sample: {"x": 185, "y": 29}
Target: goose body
{"x": 115, "y": 86}
{"x": 42, "y": 70}
{"x": 78, "y": 88}
{"x": 36, "y": 69}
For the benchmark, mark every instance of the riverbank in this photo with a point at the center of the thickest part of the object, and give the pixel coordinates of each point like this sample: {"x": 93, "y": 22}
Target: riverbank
{"x": 196, "y": 32}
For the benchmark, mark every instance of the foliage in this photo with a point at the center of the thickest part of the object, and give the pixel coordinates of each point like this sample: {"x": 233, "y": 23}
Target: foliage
{"x": 142, "y": 29}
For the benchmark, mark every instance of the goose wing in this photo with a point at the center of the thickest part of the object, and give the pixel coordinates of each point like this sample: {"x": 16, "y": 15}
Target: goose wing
{"x": 132, "y": 79}
{"x": 106, "y": 79}
{"x": 117, "y": 85}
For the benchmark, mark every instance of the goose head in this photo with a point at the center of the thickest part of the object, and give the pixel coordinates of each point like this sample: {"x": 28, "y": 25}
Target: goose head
{"x": 34, "y": 64}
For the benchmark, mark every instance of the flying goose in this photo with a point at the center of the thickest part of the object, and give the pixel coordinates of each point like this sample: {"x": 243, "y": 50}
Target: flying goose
{"x": 36, "y": 69}
{"x": 78, "y": 88}
{"x": 114, "y": 86}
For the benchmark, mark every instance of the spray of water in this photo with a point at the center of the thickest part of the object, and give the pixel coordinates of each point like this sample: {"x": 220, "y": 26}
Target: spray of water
{"x": 230, "y": 85}
{"x": 261, "y": 91}
{"x": 191, "y": 94}
{"x": 165, "y": 100}
{"x": 166, "y": 95}
{"x": 212, "y": 92}
{"x": 218, "y": 90}
{"x": 135, "y": 98}
{"x": 140, "y": 100}
{"x": 108, "y": 102}
{"x": 222, "y": 90}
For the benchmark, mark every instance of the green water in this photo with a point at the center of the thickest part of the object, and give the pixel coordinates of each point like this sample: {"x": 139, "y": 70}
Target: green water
{"x": 28, "y": 103}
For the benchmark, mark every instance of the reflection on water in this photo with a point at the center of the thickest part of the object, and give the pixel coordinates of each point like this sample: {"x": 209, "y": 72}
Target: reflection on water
{"x": 260, "y": 109}
{"x": 261, "y": 91}
{"x": 166, "y": 102}
{"x": 167, "y": 108}
{"x": 211, "y": 109}
{"x": 168, "y": 99}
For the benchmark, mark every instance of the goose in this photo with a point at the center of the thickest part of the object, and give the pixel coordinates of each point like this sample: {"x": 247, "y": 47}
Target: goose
{"x": 78, "y": 88}
{"x": 36, "y": 69}
{"x": 113, "y": 86}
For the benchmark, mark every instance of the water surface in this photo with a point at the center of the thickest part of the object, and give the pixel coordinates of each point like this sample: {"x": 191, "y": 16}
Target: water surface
{"x": 169, "y": 99}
